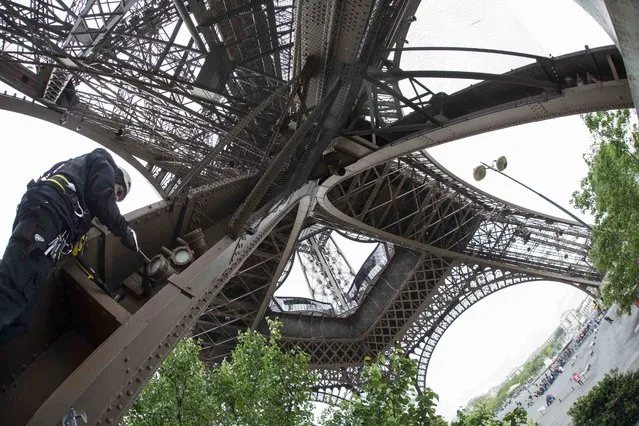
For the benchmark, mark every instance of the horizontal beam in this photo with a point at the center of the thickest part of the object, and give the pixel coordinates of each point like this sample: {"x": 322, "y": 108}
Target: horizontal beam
{"x": 466, "y": 49}
{"x": 396, "y": 75}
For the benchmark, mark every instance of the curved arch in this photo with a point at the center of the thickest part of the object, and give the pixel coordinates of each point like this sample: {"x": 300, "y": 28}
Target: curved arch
{"x": 426, "y": 332}
{"x": 92, "y": 131}
{"x": 412, "y": 202}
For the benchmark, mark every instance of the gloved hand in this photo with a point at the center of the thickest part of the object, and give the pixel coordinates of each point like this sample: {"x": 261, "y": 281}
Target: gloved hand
{"x": 130, "y": 240}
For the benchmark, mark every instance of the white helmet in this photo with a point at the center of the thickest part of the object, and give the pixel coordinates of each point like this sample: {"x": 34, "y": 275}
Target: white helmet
{"x": 122, "y": 177}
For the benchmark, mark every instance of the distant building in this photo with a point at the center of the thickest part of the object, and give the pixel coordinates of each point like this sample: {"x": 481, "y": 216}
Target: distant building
{"x": 586, "y": 309}
{"x": 570, "y": 321}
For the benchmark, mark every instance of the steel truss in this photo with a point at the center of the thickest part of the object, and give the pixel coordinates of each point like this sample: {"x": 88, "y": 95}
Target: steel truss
{"x": 235, "y": 106}
{"x": 413, "y": 198}
{"x": 123, "y": 66}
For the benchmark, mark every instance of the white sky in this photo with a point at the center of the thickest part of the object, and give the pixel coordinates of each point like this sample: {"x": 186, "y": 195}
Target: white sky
{"x": 499, "y": 333}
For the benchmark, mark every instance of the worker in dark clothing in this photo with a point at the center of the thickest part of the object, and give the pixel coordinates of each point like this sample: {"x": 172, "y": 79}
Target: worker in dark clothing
{"x": 52, "y": 220}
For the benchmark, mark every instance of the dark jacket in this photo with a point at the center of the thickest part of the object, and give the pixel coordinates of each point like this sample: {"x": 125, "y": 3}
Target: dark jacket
{"x": 93, "y": 176}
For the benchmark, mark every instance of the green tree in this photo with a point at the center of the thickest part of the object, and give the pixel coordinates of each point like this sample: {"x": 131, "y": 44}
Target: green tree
{"x": 610, "y": 192}
{"x": 612, "y": 401}
{"x": 387, "y": 397}
{"x": 481, "y": 414}
{"x": 261, "y": 384}
{"x": 178, "y": 394}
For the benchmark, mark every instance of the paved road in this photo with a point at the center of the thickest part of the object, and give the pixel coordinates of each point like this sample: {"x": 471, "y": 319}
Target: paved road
{"x": 616, "y": 346}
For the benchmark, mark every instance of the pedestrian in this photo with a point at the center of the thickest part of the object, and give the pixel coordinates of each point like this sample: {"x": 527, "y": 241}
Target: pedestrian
{"x": 607, "y": 318}
{"x": 51, "y": 222}
{"x": 577, "y": 378}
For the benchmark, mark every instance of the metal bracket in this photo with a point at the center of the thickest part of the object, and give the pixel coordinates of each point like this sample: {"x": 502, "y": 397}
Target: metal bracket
{"x": 71, "y": 416}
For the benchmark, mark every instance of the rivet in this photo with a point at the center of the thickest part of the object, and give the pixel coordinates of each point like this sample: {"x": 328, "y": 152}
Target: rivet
{"x": 126, "y": 359}
{"x": 129, "y": 392}
{"x": 158, "y": 356}
{"x": 109, "y": 420}
{"x": 109, "y": 408}
{"x": 137, "y": 379}
{"x": 148, "y": 367}
{"x": 127, "y": 371}
{"x": 119, "y": 394}
{"x": 119, "y": 406}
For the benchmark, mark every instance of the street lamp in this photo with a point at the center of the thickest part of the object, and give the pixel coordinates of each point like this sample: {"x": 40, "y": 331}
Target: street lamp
{"x": 499, "y": 165}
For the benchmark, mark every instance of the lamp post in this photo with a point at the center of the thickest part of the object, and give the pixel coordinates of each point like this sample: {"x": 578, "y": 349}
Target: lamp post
{"x": 499, "y": 165}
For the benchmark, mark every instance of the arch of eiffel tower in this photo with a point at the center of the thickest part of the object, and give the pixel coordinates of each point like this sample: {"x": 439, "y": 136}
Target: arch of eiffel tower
{"x": 271, "y": 128}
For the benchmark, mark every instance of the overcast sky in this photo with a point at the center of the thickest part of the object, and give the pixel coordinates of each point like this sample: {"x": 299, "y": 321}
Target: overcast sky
{"x": 499, "y": 333}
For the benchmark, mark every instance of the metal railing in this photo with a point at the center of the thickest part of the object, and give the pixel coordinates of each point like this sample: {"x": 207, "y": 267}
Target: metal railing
{"x": 372, "y": 267}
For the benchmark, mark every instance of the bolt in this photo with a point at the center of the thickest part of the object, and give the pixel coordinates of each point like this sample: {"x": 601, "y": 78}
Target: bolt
{"x": 126, "y": 359}
{"x": 137, "y": 379}
{"x": 119, "y": 406}
{"x": 109, "y": 408}
{"x": 129, "y": 392}
{"x": 158, "y": 355}
{"x": 119, "y": 394}
{"x": 109, "y": 420}
{"x": 127, "y": 371}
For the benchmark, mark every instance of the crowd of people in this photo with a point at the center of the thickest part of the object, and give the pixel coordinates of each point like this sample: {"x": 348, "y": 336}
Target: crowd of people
{"x": 542, "y": 384}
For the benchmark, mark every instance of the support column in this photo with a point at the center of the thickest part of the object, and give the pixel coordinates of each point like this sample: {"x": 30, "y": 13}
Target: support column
{"x": 620, "y": 19}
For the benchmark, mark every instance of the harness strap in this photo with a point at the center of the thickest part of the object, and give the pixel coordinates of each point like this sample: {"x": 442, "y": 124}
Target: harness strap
{"x": 68, "y": 189}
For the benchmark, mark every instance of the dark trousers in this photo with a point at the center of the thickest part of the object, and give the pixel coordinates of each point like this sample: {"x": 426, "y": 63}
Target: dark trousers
{"x": 24, "y": 266}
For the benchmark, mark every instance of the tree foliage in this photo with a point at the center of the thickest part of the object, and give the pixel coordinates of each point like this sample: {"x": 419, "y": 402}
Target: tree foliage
{"x": 481, "y": 415}
{"x": 178, "y": 393}
{"x": 529, "y": 370}
{"x": 259, "y": 385}
{"x": 610, "y": 192}
{"x": 612, "y": 401}
{"x": 387, "y": 397}
{"x": 263, "y": 385}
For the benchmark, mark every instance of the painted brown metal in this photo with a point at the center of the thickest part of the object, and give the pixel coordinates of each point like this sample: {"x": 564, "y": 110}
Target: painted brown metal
{"x": 212, "y": 114}
{"x": 118, "y": 369}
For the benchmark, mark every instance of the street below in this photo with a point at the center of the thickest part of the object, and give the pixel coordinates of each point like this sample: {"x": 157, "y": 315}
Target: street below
{"x": 616, "y": 345}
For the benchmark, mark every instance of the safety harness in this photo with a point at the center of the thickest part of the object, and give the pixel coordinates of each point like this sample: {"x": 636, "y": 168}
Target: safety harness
{"x": 62, "y": 245}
